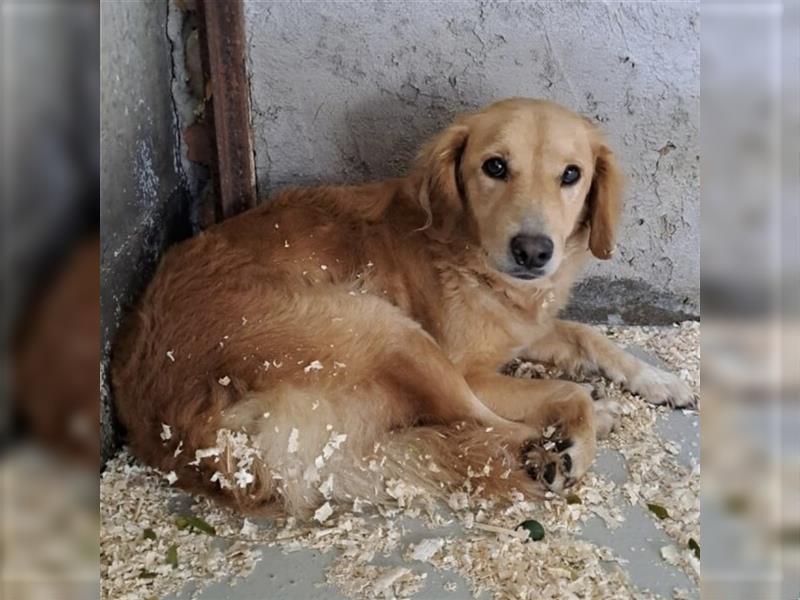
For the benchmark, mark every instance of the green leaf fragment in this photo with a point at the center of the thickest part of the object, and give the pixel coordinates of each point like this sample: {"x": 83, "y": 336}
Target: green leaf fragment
{"x": 658, "y": 511}
{"x": 534, "y": 528}
{"x": 172, "y": 556}
{"x": 145, "y": 574}
{"x": 574, "y": 499}
{"x": 694, "y": 547}
{"x": 193, "y": 523}
{"x": 149, "y": 534}
{"x": 200, "y": 524}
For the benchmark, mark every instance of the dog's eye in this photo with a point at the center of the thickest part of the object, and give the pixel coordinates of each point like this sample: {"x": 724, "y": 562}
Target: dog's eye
{"x": 570, "y": 175}
{"x": 495, "y": 168}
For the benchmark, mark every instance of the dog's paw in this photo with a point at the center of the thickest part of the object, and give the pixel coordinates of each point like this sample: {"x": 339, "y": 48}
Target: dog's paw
{"x": 557, "y": 463}
{"x": 659, "y": 387}
{"x": 606, "y": 415}
{"x": 607, "y": 412}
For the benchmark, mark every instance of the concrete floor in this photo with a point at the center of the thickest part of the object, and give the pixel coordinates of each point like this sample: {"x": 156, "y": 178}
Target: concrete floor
{"x": 300, "y": 575}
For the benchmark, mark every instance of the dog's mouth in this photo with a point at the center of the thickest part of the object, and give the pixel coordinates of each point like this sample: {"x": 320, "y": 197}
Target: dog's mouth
{"x": 506, "y": 266}
{"x": 525, "y": 275}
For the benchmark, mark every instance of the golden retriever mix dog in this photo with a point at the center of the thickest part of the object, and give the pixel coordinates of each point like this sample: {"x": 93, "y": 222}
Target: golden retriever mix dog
{"x": 338, "y": 338}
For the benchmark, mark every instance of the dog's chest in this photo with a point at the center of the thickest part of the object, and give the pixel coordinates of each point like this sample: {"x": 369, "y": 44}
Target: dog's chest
{"x": 484, "y": 328}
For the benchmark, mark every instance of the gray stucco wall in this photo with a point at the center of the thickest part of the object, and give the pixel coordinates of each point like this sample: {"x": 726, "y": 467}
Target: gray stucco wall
{"x": 348, "y": 91}
{"x": 145, "y": 202}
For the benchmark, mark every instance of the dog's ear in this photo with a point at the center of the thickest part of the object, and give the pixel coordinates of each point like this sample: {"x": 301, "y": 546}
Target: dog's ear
{"x": 441, "y": 193}
{"x": 604, "y": 202}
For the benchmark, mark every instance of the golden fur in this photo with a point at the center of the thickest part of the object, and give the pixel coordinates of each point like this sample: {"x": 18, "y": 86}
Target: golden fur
{"x": 401, "y": 291}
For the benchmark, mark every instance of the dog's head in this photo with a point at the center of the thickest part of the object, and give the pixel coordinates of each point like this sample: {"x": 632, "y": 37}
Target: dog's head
{"x": 522, "y": 176}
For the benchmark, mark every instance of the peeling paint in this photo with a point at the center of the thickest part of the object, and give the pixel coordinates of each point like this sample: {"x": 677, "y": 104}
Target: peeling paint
{"x": 145, "y": 203}
{"x": 145, "y": 177}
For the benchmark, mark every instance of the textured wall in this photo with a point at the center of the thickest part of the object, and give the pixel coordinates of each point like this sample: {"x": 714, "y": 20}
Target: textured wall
{"x": 347, "y": 92}
{"x": 145, "y": 202}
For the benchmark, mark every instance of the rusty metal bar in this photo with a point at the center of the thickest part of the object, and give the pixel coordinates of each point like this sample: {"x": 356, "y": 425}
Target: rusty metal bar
{"x": 222, "y": 31}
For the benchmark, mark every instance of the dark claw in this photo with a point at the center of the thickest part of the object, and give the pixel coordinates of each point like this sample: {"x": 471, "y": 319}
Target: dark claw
{"x": 550, "y": 472}
{"x": 595, "y": 394}
{"x": 562, "y": 445}
{"x": 566, "y": 460}
{"x": 527, "y": 447}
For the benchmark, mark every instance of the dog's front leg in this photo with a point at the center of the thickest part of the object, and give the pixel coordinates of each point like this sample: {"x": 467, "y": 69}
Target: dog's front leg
{"x": 576, "y": 348}
{"x": 566, "y": 416}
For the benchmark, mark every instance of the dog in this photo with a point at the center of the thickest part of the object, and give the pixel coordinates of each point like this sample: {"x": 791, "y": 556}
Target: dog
{"x": 340, "y": 338}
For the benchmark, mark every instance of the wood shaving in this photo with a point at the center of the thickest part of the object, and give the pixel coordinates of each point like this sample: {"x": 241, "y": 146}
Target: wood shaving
{"x": 294, "y": 441}
{"x": 323, "y": 512}
{"x": 326, "y": 489}
{"x": 426, "y": 549}
{"x": 126, "y": 555}
{"x": 313, "y": 366}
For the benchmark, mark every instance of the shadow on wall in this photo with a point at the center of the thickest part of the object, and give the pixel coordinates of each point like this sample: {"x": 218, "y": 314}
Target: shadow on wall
{"x": 377, "y": 137}
{"x": 385, "y": 134}
{"x": 387, "y": 130}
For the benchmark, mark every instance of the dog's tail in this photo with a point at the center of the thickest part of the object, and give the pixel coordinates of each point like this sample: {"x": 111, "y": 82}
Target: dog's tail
{"x": 449, "y": 463}
{"x": 308, "y": 456}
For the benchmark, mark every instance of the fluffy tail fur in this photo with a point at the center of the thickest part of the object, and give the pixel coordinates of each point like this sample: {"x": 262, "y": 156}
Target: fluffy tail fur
{"x": 294, "y": 450}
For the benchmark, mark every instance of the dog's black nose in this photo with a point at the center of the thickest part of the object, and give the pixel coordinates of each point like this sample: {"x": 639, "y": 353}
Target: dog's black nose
{"x": 531, "y": 251}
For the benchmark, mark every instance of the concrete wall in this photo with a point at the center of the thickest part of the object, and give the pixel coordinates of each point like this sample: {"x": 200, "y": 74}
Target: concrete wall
{"x": 145, "y": 202}
{"x": 348, "y": 91}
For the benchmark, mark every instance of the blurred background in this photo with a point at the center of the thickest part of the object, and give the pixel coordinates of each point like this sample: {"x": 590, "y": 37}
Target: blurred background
{"x": 144, "y": 55}
{"x": 49, "y": 426}
{"x": 750, "y": 271}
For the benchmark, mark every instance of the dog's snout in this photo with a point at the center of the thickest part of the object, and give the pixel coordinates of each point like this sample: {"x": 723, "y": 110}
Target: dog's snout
{"x": 531, "y": 251}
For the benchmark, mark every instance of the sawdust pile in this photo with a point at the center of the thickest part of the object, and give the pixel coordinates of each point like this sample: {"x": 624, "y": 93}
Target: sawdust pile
{"x": 155, "y": 542}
